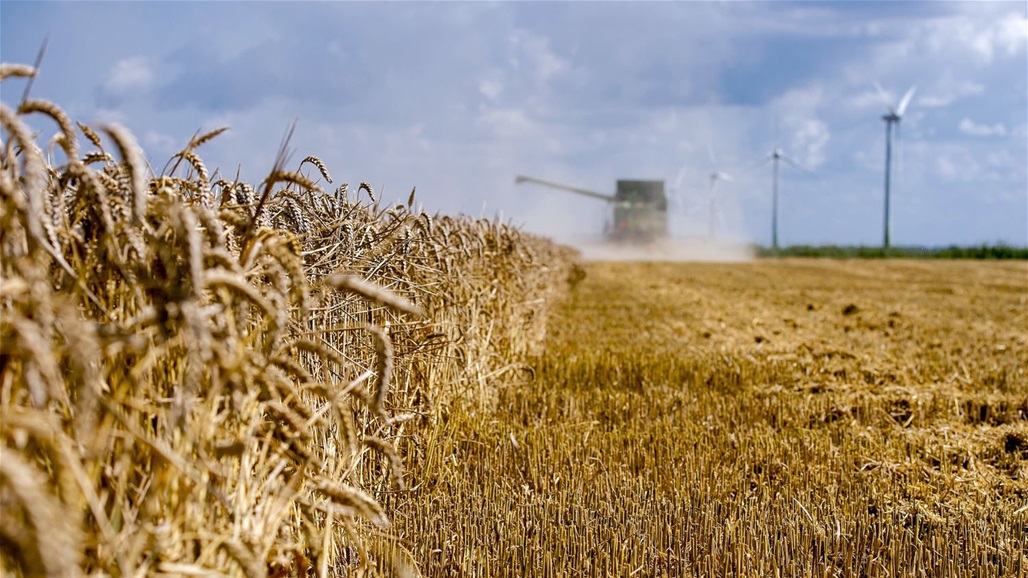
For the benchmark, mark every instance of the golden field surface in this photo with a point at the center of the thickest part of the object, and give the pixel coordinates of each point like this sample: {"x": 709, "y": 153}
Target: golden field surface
{"x": 774, "y": 418}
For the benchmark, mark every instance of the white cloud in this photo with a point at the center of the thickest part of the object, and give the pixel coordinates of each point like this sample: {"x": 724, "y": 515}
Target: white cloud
{"x": 1006, "y": 162}
{"x": 799, "y": 115}
{"x": 798, "y": 100}
{"x": 490, "y": 89}
{"x": 129, "y": 75}
{"x": 811, "y": 138}
{"x": 950, "y": 54}
{"x": 936, "y": 101}
{"x": 969, "y": 127}
{"x": 865, "y": 98}
{"x": 534, "y": 51}
{"x": 948, "y": 93}
{"x": 947, "y": 168}
{"x": 110, "y": 116}
{"x": 959, "y": 165}
{"x": 1012, "y": 33}
{"x": 158, "y": 140}
{"x": 507, "y": 123}
{"x": 981, "y": 34}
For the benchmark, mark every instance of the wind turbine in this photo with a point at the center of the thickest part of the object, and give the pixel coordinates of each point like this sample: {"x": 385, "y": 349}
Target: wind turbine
{"x": 715, "y": 176}
{"x": 675, "y": 194}
{"x": 893, "y": 118}
{"x": 775, "y": 156}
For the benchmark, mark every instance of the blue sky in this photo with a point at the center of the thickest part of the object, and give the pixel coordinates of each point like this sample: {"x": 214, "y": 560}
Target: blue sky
{"x": 457, "y": 98}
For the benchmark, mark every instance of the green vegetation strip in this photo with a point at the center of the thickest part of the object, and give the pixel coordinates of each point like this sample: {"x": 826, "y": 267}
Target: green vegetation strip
{"x": 861, "y": 252}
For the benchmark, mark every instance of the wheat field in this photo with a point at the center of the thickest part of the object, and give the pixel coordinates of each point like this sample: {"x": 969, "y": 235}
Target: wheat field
{"x": 206, "y": 377}
{"x": 201, "y": 376}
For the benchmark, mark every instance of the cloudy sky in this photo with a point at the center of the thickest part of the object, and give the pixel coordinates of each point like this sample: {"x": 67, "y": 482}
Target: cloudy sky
{"x": 457, "y": 98}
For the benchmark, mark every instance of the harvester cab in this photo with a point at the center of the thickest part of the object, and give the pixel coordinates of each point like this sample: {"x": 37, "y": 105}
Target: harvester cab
{"x": 640, "y": 208}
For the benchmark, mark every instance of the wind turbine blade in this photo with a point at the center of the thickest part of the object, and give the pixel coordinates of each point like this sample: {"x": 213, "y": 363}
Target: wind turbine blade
{"x": 884, "y": 96}
{"x": 796, "y": 165}
{"x": 713, "y": 159}
{"x": 679, "y": 179}
{"x": 675, "y": 194}
{"x": 724, "y": 176}
{"x": 758, "y": 163}
{"x": 905, "y": 101}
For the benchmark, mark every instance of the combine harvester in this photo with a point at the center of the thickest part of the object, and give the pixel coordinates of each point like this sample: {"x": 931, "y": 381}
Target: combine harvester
{"x": 640, "y": 209}
{"x": 638, "y": 229}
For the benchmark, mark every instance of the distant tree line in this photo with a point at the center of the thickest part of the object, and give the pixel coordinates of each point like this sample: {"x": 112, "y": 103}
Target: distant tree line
{"x": 861, "y": 252}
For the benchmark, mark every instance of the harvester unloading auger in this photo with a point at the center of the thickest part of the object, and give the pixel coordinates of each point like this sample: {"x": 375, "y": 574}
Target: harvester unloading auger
{"x": 640, "y": 208}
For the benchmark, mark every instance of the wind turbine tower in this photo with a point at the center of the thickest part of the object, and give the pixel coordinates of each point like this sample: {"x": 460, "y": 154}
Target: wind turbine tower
{"x": 715, "y": 176}
{"x": 892, "y": 118}
{"x": 775, "y": 156}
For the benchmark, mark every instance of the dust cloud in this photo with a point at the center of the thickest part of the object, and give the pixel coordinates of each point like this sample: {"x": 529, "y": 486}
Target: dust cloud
{"x": 670, "y": 249}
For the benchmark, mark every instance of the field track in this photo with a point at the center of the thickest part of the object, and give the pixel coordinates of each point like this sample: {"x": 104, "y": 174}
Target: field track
{"x": 774, "y": 418}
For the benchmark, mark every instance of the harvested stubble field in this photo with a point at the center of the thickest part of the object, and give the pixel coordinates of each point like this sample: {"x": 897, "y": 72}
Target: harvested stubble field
{"x": 785, "y": 418}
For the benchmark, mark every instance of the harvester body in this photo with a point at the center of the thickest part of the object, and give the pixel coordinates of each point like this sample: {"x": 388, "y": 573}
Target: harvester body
{"x": 640, "y": 208}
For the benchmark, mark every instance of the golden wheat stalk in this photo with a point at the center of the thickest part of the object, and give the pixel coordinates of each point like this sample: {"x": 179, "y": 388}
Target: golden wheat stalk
{"x": 46, "y": 542}
{"x": 354, "y": 284}
{"x": 355, "y": 500}
{"x": 132, "y": 157}
{"x": 33, "y": 190}
{"x": 68, "y": 141}
{"x": 202, "y": 139}
{"x": 321, "y": 167}
{"x": 16, "y": 70}
{"x": 383, "y": 368}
